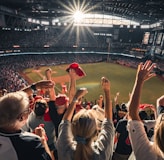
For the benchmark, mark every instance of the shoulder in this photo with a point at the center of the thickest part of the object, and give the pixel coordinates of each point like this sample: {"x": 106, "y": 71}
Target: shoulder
{"x": 29, "y": 135}
{"x": 30, "y": 138}
{"x": 51, "y": 104}
{"x": 123, "y": 121}
{"x": 107, "y": 128}
{"x": 135, "y": 125}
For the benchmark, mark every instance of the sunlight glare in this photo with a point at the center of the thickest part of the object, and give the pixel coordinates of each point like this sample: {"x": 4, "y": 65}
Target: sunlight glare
{"x": 78, "y": 16}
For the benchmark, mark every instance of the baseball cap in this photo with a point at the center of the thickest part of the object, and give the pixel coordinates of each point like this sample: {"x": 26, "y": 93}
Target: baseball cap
{"x": 61, "y": 99}
{"x": 79, "y": 71}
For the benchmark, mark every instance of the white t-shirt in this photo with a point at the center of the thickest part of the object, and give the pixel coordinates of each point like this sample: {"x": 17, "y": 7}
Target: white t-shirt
{"x": 142, "y": 147}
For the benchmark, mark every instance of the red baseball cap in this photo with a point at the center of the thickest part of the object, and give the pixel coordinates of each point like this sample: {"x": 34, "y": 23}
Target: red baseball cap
{"x": 79, "y": 71}
{"x": 61, "y": 99}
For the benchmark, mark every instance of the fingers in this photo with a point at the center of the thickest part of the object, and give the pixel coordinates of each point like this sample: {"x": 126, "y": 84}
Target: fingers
{"x": 44, "y": 84}
{"x": 81, "y": 92}
{"x": 148, "y": 65}
{"x": 105, "y": 83}
{"x": 104, "y": 80}
{"x": 39, "y": 131}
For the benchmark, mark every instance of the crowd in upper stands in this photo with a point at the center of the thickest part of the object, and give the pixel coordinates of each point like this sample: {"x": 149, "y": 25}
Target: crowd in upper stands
{"x": 51, "y": 39}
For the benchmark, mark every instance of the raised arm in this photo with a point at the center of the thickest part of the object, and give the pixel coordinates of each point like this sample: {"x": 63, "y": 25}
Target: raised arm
{"x": 72, "y": 84}
{"x": 69, "y": 113}
{"x": 144, "y": 72}
{"x": 43, "y": 84}
{"x": 51, "y": 91}
{"x": 116, "y": 98}
{"x": 41, "y": 132}
{"x": 108, "y": 103}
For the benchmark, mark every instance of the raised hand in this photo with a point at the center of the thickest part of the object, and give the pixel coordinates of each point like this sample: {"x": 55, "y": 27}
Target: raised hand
{"x": 145, "y": 71}
{"x": 105, "y": 84}
{"x": 44, "y": 84}
{"x": 48, "y": 73}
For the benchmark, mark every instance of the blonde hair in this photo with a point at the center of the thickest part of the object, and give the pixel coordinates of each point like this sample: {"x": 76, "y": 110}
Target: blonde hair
{"x": 84, "y": 126}
{"x": 11, "y": 105}
{"x": 99, "y": 115}
{"x": 159, "y": 135}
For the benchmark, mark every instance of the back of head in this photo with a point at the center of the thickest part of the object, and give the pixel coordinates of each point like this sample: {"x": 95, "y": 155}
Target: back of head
{"x": 143, "y": 115}
{"x": 159, "y": 134}
{"x": 99, "y": 115}
{"x": 124, "y": 107}
{"x": 84, "y": 129}
{"x": 11, "y": 106}
{"x": 41, "y": 107}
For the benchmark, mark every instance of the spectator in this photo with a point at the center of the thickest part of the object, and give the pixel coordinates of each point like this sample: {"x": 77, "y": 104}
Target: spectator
{"x": 40, "y": 116}
{"x": 123, "y": 147}
{"x": 79, "y": 140}
{"x": 58, "y": 104}
{"x": 119, "y": 111}
{"x": 142, "y": 147}
{"x": 100, "y": 101}
{"x": 14, "y": 111}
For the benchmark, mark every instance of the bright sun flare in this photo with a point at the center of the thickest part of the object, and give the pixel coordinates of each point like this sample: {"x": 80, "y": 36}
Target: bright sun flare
{"x": 78, "y": 16}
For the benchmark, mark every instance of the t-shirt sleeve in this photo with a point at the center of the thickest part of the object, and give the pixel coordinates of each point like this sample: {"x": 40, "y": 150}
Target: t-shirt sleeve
{"x": 105, "y": 140}
{"x": 65, "y": 137}
{"x": 140, "y": 142}
{"x": 34, "y": 148}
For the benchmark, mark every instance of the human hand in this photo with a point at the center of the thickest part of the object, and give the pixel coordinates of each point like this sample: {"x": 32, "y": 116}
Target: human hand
{"x": 48, "y": 73}
{"x": 117, "y": 94}
{"x": 80, "y": 93}
{"x": 44, "y": 84}
{"x": 145, "y": 71}
{"x": 41, "y": 133}
{"x": 72, "y": 73}
{"x": 105, "y": 84}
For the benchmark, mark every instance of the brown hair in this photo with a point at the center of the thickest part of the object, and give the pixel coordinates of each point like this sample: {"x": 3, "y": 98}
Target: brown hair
{"x": 84, "y": 127}
{"x": 40, "y": 107}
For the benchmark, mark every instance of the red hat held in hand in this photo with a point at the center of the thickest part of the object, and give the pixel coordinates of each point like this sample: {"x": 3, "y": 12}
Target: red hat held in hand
{"x": 61, "y": 99}
{"x": 79, "y": 71}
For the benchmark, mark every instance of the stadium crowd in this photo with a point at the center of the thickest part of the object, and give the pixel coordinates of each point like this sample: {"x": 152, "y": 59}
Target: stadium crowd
{"x": 38, "y": 123}
{"x": 11, "y": 67}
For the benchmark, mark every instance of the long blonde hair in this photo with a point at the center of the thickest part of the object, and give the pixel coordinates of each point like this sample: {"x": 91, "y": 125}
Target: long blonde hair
{"x": 159, "y": 135}
{"x": 84, "y": 129}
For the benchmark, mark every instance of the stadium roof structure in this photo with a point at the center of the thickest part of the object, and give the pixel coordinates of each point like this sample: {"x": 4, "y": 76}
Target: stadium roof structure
{"x": 145, "y": 12}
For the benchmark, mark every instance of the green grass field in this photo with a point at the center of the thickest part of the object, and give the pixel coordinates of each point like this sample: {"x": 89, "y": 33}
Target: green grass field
{"x": 121, "y": 77}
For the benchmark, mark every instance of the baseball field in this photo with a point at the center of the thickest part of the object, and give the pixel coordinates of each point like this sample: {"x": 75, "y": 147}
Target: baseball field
{"x": 121, "y": 78}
